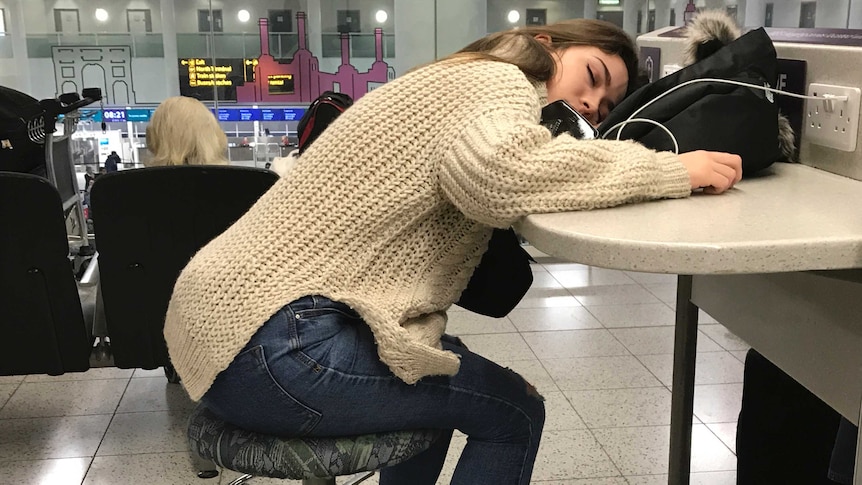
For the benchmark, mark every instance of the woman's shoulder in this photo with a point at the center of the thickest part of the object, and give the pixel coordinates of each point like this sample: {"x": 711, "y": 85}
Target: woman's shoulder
{"x": 479, "y": 67}
{"x": 471, "y": 77}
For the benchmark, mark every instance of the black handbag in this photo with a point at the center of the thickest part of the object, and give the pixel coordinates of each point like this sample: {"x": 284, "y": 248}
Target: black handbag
{"x": 711, "y": 115}
{"x": 501, "y": 279}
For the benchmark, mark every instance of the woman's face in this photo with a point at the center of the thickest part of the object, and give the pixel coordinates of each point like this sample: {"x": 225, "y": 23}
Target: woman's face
{"x": 590, "y": 80}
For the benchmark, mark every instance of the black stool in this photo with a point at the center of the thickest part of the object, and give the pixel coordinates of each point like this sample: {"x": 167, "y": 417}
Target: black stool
{"x": 315, "y": 461}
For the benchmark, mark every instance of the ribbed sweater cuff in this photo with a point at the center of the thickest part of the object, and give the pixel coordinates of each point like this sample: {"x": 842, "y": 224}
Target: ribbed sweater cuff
{"x": 675, "y": 183}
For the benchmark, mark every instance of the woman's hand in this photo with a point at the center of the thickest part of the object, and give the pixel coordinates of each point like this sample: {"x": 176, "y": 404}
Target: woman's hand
{"x": 715, "y": 172}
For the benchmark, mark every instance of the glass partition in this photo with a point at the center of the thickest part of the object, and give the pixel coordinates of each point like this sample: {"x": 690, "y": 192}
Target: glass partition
{"x": 258, "y": 63}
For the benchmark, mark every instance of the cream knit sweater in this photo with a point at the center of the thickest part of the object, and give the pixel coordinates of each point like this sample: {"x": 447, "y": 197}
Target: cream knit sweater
{"x": 390, "y": 211}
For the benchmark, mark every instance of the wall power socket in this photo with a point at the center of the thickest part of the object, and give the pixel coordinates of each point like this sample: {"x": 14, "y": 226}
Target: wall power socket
{"x": 836, "y": 128}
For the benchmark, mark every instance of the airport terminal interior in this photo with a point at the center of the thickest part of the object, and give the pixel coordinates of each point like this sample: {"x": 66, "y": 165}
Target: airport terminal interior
{"x": 597, "y": 343}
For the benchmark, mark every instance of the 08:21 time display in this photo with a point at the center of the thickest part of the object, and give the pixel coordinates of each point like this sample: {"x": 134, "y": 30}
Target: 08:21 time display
{"x": 115, "y": 115}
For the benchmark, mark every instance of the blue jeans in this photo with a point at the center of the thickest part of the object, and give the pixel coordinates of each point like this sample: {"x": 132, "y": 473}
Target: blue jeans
{"x": 313, "y": 370}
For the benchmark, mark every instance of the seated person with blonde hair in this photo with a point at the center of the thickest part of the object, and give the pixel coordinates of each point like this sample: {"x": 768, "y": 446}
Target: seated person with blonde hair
{"x": 185, "y": 132}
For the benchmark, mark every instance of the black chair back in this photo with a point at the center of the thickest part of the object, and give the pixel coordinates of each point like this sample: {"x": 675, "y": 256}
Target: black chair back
{"x": 148, "y": 224}
{"x": 40, "y": 312}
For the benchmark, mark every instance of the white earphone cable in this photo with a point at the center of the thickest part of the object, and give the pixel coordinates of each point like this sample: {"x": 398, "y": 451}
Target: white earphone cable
{"x": 644, "y": 120}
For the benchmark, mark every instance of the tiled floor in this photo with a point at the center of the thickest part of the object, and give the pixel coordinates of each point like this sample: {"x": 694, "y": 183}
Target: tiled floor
{"x": 597, "y": 343}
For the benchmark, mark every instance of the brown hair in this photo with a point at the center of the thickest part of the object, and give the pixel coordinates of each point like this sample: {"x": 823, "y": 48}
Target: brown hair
{"x": 520, "y": 47}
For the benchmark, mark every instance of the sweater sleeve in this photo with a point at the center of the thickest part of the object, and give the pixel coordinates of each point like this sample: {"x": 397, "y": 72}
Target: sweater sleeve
{"x": 504, "y": 165}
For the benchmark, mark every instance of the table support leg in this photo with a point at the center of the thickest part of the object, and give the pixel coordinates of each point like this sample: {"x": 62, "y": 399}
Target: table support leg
{"x": 857, "y": 468}
{"x": 682, "y": 400}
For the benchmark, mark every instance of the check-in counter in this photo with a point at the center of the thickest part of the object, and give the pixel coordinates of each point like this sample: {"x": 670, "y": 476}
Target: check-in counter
{"x": 240, "y": 153}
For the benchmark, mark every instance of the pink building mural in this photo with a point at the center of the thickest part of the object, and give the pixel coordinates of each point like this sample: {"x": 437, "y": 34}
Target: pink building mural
{"x": 301, "y": 81}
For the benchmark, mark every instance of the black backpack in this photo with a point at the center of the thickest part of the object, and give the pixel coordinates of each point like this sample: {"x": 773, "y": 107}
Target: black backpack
{"x": 320, "y": 114}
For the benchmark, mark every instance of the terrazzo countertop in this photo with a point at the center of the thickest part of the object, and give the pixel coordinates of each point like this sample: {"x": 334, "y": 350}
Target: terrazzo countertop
{"x": 790, "y": 217}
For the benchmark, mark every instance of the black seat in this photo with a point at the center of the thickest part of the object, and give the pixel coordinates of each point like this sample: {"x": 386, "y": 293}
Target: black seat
{"x": 40, "y": 312}
{"x": 148, "y": 224}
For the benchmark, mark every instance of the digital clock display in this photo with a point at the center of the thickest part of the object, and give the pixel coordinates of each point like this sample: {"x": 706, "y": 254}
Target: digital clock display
{"x": 114, "y": 115}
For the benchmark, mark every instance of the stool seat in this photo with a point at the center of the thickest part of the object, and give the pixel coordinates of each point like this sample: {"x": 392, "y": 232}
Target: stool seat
{"x": 299, "y": 458}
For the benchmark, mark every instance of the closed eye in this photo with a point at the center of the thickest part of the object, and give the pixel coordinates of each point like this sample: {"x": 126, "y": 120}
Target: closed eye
{"x": 592, "y": 76}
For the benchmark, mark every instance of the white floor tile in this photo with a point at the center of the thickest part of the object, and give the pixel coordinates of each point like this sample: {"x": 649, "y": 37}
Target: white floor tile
{"x": 150, "y": 468}
{"x": 65, "y": 471}
{"x": 572, "y": 454}
{"x": 637, "y": 315}
{"x": 647, "y": 480}
{"x": 469, "y": 323}
{"x": 535, "y": 253}
{"x": 499, "y": 346}
{"x": 455, "y": 448}
{"x": 42, "y": 438}
{"x": 599, "y": 373}
{"x": 657, "y": 340}
{"x": 591, "y": 277}
{"x": 701, "y": 478}
{"x": 533, "y": 372}
{"x": 552, "y": 318}
{"x": 613, "y": 295}
{"x": 559, "y": 265}
{"x": 6, "y": 391}
{"x": 584, "y": 481}
{"x": 710, "y": 368}
{"x": 547, "y": 297}
{"x": 665, "y": 292}
{"x": 11, "y": 379}
{"x": 644, "y": 451}
{"x": 724, "y": 337}
{"x": 704, "y": 318}
{"x": 537, "y": 267}
{"x": 564, "y": 344}
{"x": 652, "y": 278}
{"x": 726, "y": 432}
{"x": 739, "y": 354}
{"x": 559, "y": 413}
{"x": 718, "y": 403}
{"x": 136, "y": 433}
{"x": 543, "y": 279}
{"x": 95, "y": 373}
{"x": 714, "y": 478}
{"x": 158, "y": 372}
{"x": 154, "y": 394}
{"x": 622, "y": 407}
{"x": 66, "y": 398}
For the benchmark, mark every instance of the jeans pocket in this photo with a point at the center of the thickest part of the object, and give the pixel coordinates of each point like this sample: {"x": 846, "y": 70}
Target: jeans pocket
{"x": 248, "y": 395}
{"x": 332, "y": 339}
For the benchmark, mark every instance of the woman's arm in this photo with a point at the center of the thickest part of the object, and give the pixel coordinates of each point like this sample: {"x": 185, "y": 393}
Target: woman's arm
{"x": 504, "y": 165}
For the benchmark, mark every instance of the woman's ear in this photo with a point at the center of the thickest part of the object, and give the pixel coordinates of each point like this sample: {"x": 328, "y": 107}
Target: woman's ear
{"x": 544, "y": 39}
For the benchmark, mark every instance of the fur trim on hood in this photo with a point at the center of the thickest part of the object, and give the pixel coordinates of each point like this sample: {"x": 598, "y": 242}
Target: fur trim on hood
{"x": 710, "y": 31}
